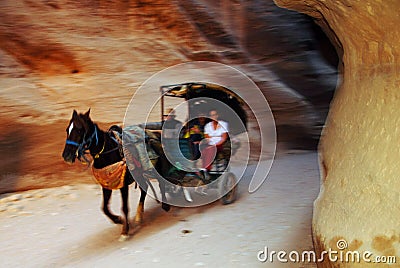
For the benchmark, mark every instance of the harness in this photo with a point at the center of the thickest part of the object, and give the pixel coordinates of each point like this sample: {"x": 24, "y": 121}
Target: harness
{"x": 113, "y": 176}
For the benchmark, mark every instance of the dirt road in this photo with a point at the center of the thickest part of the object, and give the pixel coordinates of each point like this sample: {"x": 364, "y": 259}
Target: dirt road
{"x": 64, "y": 226}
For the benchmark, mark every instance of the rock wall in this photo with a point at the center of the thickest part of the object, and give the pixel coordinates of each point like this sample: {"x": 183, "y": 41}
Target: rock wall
{"x": 359, "y": 149}
{"x": 59, "y": 55}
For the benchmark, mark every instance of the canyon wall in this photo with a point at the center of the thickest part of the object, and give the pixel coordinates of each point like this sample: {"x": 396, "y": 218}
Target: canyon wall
{"x": 56, "y": 56}
{"x": 359, "y": 152}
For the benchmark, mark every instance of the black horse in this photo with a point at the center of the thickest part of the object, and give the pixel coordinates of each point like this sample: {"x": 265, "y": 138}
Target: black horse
{"x": 84, "y": 135}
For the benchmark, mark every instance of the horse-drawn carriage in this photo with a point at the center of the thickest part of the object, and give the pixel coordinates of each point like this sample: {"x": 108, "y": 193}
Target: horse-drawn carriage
{"x": 171, "y": 161}
{"x": 185, "y": 173}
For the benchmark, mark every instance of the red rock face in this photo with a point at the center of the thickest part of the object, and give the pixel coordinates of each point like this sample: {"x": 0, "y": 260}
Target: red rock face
{"x": 61, "y": 55}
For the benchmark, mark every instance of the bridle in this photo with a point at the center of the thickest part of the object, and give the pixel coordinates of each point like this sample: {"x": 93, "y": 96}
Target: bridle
{"x": 83, "y": 147}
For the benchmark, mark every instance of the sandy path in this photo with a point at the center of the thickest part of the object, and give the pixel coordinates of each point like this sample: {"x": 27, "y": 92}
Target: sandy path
{"x": 64, "y": 226}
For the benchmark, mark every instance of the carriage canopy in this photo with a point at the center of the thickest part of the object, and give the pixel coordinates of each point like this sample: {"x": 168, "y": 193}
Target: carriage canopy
{"x": 200, "y": 98}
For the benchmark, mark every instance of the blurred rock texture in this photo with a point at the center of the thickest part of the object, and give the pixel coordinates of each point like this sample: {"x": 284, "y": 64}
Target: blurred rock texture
{"x": 359, "y": 151}
{"x": 59, "y": 55}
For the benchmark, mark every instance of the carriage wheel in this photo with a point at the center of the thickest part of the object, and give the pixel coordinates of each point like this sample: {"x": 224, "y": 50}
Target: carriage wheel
{"x": 228, "y": 187}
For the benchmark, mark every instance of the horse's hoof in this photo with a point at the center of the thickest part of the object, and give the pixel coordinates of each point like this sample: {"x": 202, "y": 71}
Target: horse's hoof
{"x": 123, "y": 238}
{"x": 117, "y": 220}
{"x": 166, "y": 207}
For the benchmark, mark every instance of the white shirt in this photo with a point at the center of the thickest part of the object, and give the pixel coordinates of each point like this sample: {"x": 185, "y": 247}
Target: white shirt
{"x": 216, "y": 134}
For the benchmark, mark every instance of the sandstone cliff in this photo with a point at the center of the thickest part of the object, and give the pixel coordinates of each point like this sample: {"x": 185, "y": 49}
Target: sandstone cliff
{"x": 357, "y": 209}
{"x": 60, "y": 55}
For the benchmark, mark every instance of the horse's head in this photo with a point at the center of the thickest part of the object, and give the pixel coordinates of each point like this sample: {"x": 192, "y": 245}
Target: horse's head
{"x": 78, "y": 136}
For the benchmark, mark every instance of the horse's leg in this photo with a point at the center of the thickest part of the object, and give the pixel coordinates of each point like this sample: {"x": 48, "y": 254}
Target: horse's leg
{"x": 125, "y": 209}
{"x": 106, "y": 199}
{"x": 140, "y": 207}
{"x": 164, "y": 203}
